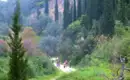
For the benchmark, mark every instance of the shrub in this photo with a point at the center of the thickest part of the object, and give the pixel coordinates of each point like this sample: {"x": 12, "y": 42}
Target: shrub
{"x": 53, "y": 29}
{"x": 41, "y": 66}
{"x": 28, "y": 33}
{"x": 121, "y": 30}
{"x": 49, "y": 45}
{"x": 40, "y": 24}
{"x": 29, "y": 40}
{"x": 124, "y": 49}
{"x": 65, "y": 49}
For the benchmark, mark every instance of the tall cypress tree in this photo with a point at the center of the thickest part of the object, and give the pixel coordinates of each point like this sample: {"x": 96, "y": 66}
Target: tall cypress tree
{"x": 79, "y": 9}
{"x": 17, "y": 63}
{"x": 71, "y": 15}
{"x": 56, "y": 11}
{"x": 107, "y": 22}
{"x": 100, "y": 8}
{"x": 46, "y": 7}
{"x": 122, "y": 12}
{"x": 74, "y": 9}
{"x": 66, "y": 13}
{"x": 89, "y": 12}
{"x": 85, "y": 5}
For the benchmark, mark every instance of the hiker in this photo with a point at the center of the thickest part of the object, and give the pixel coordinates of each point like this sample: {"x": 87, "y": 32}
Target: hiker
{"x": 65, "y": 63}
{"x": 58, "y": 62}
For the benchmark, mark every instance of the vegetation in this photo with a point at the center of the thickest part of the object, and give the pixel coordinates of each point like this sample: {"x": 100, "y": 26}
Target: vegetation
{"x": 92, "y": 35}
{"x": 17, "y": 63}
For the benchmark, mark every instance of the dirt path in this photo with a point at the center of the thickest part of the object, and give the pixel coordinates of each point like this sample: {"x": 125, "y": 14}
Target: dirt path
{"x": 66, "y": 70}
{"x": 63, "y": 70}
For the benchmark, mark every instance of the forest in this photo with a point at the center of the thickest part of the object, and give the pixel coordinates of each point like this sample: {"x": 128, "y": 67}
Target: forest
{"x": 64, "y": 39}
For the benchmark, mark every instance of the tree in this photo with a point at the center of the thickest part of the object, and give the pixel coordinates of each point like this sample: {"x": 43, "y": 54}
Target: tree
{"x": 74, "y": 13}
{"x": 46, "y": 7}
{"x": 83, "y": 6}
{"x": 51, "y": 38}
{"x": 79, "y": 9}
{"x": 123, "y": 11}
{"x": 56, "y": 11}
{"x": 66, "y": 13}
{"x": 17, "y": 63}
{"x": 41, "y": 24}
{"x": 71, "y": 15}
{"x": 100, "y": 4}
{"x": 108, "y": 22}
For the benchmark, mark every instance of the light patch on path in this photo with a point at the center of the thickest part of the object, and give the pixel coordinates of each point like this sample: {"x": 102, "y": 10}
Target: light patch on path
{"x": 67, "y": 69}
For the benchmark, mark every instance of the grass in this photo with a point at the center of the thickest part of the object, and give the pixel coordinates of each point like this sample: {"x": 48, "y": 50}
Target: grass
{"x": 89, "y": 73}
{"x": 49, "y": 77}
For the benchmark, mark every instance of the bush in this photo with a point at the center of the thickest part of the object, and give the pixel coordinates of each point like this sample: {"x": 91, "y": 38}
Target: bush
{"x": 37, "y": 66}
{"x": 53, "y": 29}
{"x": 49, "y": 44}
{"x": 29, "y": 40}
{"x": 51, "y": 38}
{"x": 40, "y": 25}
{"x": 124, "y": 50}
{"x": 65, "y": 49}
{"x": 41, "y": 66}
{"x": 121, "y": 30}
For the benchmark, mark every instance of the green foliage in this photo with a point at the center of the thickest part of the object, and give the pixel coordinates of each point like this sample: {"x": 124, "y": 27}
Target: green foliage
{"x": 40, "y": 3}
{"x": 109, "y": 49}
{"x": 3, "y": 76}
{"x": 17, "y": 63}
{"x": 3, "y": 68}
{"x": 123, "y": 12}
{"x": 82, "y": 41}
{"x": 91, "y": 73}
{"x": 37, "y": 66}
{"x": 65, "y": 49}
{"x": 41, "y": 66}
{"x": 75, "y": 29}
{"x": 121, "y": 30}
{"x": 85, "y": 22}
{"x": 87, "y": 48}
{"x": 125, "y": 48}
{"x": 40, "y": 24}
{"x": 104, "y": 51}
{"x": 107, "y": 20}
{"x": 75, "y": 25}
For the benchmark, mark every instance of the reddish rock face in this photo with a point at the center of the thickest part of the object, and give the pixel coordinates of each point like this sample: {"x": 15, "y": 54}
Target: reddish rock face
{"x": 52, "y": 7}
